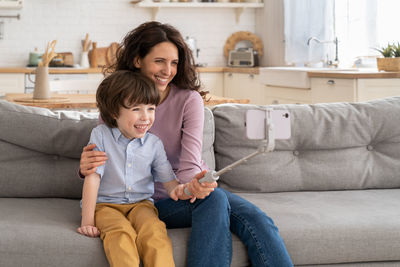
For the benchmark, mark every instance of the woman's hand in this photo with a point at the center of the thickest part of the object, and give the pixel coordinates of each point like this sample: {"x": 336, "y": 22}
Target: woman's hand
{"x": 91, "y": 159}
{"x": 200, "y": 190}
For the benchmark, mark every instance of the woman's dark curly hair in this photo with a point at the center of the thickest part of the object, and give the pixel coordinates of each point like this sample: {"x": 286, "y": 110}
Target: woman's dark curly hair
{"x": 139, "y": 42}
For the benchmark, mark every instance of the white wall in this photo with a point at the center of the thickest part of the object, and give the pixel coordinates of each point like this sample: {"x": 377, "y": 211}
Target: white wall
{"x": 108, "y": 21}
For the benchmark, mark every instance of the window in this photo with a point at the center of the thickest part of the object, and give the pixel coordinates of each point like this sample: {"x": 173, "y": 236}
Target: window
{"x": 359, "y": 25}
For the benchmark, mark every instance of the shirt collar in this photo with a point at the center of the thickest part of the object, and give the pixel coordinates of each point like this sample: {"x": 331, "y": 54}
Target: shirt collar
{"x": 117, "y": 135}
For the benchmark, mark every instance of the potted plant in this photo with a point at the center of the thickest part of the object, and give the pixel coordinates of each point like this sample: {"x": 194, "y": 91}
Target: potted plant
{"x": 391, "y": 57}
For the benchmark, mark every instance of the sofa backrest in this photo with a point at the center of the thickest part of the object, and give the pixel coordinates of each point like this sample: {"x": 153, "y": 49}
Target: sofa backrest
{"x": 335, "y": 146}
{"x": 40, "y": 150}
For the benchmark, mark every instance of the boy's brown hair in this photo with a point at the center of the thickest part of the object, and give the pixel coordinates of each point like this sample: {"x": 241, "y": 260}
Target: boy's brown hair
{"x": 124, "y": 88}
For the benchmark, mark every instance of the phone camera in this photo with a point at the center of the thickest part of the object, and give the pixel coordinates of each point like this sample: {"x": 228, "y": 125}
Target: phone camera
{"x": 286, "y": 115}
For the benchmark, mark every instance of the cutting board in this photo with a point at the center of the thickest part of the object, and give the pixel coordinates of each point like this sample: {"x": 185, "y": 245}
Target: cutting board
{"x": 105, "y": 56}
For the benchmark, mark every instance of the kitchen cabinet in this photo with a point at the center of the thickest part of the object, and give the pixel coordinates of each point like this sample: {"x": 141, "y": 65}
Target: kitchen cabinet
{"x": 352, "y": 90}
{"x": 12, "y": 82}
{"x": 286, "y": 95}
{"x": 156, "y": 6}
{"x": 369, "y": 89}
{"x": 212, "y": 82}
{"x": 324, "y": 90}
{"x": 244, "y": 85}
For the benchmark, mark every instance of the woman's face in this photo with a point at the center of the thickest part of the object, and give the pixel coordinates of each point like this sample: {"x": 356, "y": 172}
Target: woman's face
{"x": 160, "y": 65}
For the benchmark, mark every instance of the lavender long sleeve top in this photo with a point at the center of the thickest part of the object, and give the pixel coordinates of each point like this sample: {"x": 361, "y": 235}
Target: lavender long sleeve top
{"x": 179, "y": 124}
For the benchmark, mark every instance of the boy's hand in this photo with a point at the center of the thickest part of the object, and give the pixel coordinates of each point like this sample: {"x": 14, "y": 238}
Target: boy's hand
{"x": 178, "y": 193}
{"x": 89, "y": 230}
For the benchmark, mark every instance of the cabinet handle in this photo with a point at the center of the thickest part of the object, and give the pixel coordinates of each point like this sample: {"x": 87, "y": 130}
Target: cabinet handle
{"x": 229, "y": 74}
{"x": 331, "y": 82}
{"x": 275, "y": 102}
{"x": 251, "y": 76}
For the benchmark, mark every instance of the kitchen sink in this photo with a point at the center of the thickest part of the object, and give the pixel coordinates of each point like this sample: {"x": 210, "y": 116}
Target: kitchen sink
{"x": 292, "y": 76}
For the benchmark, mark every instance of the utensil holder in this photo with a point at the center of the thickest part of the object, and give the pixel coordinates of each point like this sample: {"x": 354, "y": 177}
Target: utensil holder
{"x": 84, "y": 60}
{"x": 42, "y": 86}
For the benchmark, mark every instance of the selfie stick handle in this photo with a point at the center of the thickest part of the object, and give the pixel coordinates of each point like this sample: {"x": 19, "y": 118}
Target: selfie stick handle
{"x": 267, "y": 146}
{"x": 212, "y": 176}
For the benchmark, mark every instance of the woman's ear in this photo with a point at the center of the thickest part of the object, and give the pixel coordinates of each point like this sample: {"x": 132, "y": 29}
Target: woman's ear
{"x": 136, "y": 62}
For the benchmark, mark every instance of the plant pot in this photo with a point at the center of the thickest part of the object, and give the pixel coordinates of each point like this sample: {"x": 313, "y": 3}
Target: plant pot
{"x": 388, "y": 63}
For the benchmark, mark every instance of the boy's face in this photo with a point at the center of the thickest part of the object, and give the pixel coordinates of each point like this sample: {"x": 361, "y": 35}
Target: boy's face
{"x": 135, "y": 121}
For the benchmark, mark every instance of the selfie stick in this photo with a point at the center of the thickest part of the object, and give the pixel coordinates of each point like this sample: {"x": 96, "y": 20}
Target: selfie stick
{"x": 268, "y": 145}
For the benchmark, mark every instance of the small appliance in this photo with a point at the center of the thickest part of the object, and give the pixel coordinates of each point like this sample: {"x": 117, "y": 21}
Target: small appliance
{"x": 243, "y": 57}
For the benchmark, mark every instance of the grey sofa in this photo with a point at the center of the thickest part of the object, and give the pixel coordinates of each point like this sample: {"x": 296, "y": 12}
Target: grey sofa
{"x": 333, "y": 189}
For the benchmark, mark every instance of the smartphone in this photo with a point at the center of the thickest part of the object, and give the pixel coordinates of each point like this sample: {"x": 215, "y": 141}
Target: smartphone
{"x": 256, "y": 123}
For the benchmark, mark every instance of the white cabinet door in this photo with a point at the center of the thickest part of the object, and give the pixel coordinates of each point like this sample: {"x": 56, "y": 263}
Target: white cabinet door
{"x": 212, "y": 82}
{"x": 96, "y": 76}
{"x": 244, "y": 86}
{"x": 369, "y": 89}
{"x": 287, "y": 95}
{"x": 324, "y": 90}
{"x": 12, "y": 82}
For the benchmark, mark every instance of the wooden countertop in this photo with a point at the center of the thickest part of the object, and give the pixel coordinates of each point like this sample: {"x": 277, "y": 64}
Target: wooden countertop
{"x": 348, "y": 74}
{"x": 88, "y": 101}
{"x": 52, "y": 70}
{"x": 356, "y": 74}
{"x": 99, "y": 70}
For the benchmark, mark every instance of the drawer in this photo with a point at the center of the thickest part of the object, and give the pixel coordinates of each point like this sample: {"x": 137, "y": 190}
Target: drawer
{"x": 290, "y": 95}
{"x": 324, "y": 90}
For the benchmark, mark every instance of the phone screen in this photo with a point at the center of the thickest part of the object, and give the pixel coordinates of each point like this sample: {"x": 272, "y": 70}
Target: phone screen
{"x": 256, "y": 124}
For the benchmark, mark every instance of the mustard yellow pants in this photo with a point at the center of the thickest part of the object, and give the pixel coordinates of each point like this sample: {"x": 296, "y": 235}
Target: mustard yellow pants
{"x": 131, "y": 232}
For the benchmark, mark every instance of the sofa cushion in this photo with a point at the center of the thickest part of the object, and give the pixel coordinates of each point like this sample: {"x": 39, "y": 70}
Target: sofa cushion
{"x": 333, "y": 146}
{"x": 42, "y": 232}
{"x": 331, "y": 227}
{"x": 40, "y": 150}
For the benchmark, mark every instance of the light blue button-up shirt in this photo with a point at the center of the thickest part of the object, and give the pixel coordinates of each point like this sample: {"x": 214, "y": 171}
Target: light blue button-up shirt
{"x": 132, "y": 167}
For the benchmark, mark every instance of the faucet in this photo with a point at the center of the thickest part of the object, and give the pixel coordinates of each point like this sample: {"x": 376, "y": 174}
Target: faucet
{"x": 334, "y": 41}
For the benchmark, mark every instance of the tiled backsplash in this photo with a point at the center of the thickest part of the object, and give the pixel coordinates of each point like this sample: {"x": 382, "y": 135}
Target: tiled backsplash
{"x": 108, "y": 21}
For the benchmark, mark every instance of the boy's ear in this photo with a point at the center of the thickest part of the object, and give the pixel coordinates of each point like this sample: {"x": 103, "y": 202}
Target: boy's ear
{"x": 136, "y": 62}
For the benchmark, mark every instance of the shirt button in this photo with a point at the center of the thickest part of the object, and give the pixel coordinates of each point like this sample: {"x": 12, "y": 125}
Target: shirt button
{"x": 129, "y": 165}
{"x": 296, "y": 153}
{"x": 369, "y": 147}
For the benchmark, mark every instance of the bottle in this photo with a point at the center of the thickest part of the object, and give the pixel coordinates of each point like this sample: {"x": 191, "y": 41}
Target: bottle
{"x": 93, "y": 56}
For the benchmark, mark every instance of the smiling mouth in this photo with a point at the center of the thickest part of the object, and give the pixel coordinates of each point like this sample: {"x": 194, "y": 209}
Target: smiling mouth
{"x": 141, "y": 126}
{"x": 161, "y": 79}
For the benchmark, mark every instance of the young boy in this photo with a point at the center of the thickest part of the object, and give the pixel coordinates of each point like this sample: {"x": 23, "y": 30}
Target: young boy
{"x": 124, "y": 216}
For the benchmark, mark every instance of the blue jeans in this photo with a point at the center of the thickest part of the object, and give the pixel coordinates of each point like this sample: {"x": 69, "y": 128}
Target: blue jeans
{"x": 213, "y": 218}
{"x": 210, "y": 242}
{"x": 258, "y": 233}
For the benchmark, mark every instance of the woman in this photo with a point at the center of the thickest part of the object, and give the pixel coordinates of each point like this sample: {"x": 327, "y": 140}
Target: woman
{"x": 159, "y": 52}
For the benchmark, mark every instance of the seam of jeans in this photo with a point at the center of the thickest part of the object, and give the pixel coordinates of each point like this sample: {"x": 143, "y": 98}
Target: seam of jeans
{"x": 229, "y": 236}
{"x": 253, "y": 235}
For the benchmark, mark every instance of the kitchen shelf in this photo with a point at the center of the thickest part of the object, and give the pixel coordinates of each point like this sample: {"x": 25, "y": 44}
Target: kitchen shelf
{"x": 11, "y": 4}
{"x": 155, "y": 6}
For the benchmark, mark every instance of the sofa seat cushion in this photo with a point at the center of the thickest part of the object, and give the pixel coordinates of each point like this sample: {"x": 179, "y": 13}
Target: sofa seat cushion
{"x": 42, "y": 232}
{"x": 336, "y": 226}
